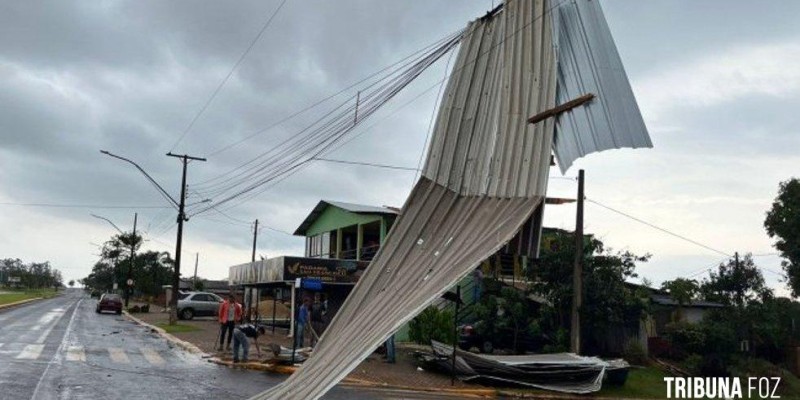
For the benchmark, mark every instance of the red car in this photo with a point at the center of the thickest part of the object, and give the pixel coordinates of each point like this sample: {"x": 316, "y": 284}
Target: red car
{"x": 109, "y": 302}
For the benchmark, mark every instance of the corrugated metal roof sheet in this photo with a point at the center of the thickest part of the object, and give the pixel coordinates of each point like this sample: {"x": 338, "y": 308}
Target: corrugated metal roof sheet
{"x": 438, "y": 239}
{"x": 482, "y": 143}
{"x": 588, "y": 62}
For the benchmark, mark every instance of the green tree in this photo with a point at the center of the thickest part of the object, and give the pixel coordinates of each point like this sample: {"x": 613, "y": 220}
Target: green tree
{"x": 150, "y": 269}
{"x": 783, "y": 224}
{"x": 71, "y": 283}
{"x": 609, "y": 303}
{"x": 683, "y": 290}
{"x": 735, "y": 283}
{"x": 432, "y": 324}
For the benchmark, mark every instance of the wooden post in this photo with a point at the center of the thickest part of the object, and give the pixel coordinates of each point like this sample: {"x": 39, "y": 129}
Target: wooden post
{"x": 455, "y": 337}
{"x": 274, "y": 305}
{"x": 560, "y": 109}
{"x": 577, "y": 273}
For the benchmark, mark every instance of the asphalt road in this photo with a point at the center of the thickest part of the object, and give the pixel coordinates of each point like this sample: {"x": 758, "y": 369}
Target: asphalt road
{"x": 61, "y": 349}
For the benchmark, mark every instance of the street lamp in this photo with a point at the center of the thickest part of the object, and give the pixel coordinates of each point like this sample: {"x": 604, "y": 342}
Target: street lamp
{"x": 173, "y": 316}
{"x": 109, "y": 221}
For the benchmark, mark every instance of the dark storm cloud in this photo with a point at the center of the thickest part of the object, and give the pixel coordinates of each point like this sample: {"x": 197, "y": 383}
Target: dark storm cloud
{"x": 77, "y": 77}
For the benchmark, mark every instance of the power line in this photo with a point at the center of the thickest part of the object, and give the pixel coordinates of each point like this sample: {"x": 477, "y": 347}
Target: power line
{"x": 329, "y": 132}
{"x": 367, "y": 164}
{"x": 317, "y": 103}
{"x": 331, "y": 124}
{"x": 54, "y": 205}
{"x": 227, "y": 77}
{"x": 660, "y": 228}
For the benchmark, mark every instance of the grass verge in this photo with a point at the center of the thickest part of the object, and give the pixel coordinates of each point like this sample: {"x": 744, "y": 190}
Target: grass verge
{"x": 642, "y": 383}
{"x": 8, "y": 296}
{"x": 177, "y": 328}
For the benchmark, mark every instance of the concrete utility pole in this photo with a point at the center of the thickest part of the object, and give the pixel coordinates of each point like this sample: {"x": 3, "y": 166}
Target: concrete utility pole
{"x": 577, "y": 273}
{"x": 252, "y": 268}
{"x": 128, "y": 281}
{"x": 196, "y": 261}
{"x": 176, "y": 278}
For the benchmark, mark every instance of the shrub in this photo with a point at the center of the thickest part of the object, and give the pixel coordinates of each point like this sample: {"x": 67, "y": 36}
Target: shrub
{"x": 432, "y": 324}
{"x": 685, "y": 338}
{"x": 634, "y": 353}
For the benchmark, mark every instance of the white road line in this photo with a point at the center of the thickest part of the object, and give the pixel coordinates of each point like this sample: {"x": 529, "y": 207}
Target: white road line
{"x": 60, "y": 349}
{"x": 31, "y": 352}
{"x": 76, "y": 353}
{"x": 152, "y": 356}
{"x": 118, "y": 355}
{"x": 45, "y": 319}
{"x": 49, "y": 329}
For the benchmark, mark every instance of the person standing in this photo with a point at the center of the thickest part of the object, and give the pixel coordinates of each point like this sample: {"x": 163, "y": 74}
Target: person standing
{"x": 229, "y": 312}
{"x": 303, "y": 316}
{"x": 317, "y": 323}
{"x": 240, "y": 340}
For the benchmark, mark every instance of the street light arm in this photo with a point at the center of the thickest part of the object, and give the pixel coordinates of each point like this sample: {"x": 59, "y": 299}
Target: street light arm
{"x": 150, "y": 178}
{"x": 109, "y": 221}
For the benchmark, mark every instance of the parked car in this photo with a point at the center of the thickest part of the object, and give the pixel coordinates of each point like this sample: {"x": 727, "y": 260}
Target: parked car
{"x": 109, "y": 302}
{"x": 197, "y": 304}
{"x": 469, "y": 338}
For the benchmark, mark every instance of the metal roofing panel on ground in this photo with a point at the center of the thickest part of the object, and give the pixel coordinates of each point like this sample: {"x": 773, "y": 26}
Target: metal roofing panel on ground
{"x": 588, "y": 62}
{"x": 438, "y": 239}
{"x": 504, "y": 73}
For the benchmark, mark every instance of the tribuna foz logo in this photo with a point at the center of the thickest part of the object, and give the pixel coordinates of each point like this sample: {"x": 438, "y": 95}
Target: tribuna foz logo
{"x": 722, "y": 388}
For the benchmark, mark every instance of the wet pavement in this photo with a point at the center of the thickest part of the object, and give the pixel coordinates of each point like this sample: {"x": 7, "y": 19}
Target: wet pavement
{"x": 61, "y": 349}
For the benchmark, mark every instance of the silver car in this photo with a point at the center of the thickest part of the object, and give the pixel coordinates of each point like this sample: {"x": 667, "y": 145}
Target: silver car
{"x": 198, "y": 304}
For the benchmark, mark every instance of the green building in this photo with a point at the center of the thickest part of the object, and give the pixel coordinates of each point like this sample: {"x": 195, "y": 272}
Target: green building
{"x": 345, "y": 231}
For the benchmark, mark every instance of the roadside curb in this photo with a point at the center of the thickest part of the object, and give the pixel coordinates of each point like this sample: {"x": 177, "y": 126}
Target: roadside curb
{"x": 19, "y": 303}
{"x": 169, "y": 337}
{"x": 288, "y": 370}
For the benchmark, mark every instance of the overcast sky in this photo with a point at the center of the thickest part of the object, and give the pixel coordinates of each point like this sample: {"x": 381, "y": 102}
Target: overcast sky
{"x": 717, "y": 82}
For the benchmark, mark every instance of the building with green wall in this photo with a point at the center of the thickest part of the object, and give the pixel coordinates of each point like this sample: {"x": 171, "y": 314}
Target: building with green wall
{"x": 346, "y": 231}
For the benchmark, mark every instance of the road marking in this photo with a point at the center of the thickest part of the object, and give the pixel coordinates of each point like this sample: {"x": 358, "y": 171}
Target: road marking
{"x": 56, "y": 357}
{"x": 152, "y": 356}
{"x": 47, "y": 318}
{"x": 76, "y": 353}
{"x": 31, "y": 352}
{"x": 118, "y": 355}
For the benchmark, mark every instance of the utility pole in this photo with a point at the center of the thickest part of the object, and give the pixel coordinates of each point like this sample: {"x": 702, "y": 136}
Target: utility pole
{"x": 176, "y": 278}
{"x": 252, "y": 268}
{"x": 577, "y": 273}
{"x": 455, "y": 336}
{"x": 196, "y": 261}
{"x": 128, "y": 281}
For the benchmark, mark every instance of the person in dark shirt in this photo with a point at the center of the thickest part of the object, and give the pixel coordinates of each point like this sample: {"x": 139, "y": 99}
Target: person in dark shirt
{"x": 240, "y": 339}
{"x": 303, "y": 319}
